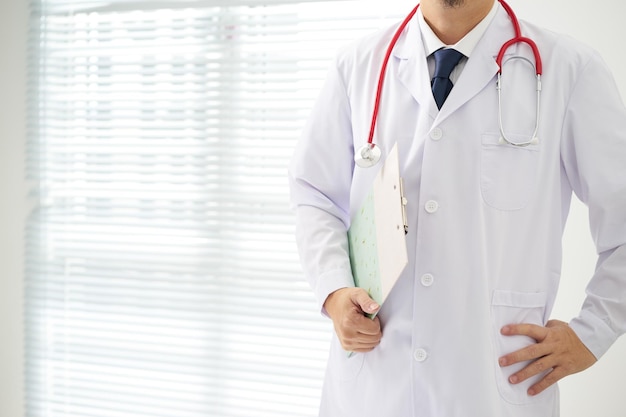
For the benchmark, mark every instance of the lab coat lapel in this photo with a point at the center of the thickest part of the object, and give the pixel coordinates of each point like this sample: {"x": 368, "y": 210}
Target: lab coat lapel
{"x": 412, "y": 70}
{"x": 481, "y": 67}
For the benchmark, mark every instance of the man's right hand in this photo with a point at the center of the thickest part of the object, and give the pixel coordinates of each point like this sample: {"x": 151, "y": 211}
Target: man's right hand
{"x": 347, "y": 308}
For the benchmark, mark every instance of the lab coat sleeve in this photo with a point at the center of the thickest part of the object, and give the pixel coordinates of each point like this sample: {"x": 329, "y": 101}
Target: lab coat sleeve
{"x": 593, "y": 151}
{"x": 320, "y": 177}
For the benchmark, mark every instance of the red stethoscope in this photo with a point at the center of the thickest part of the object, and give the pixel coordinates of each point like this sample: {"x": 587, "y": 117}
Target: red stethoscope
{"x": 370, "y": 153}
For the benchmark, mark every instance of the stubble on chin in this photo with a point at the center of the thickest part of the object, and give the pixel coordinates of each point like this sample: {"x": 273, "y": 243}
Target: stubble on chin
{"x": 452, "y": 3}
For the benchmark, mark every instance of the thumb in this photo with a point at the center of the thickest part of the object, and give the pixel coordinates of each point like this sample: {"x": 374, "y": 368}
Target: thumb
{"x": 363, "y": 300}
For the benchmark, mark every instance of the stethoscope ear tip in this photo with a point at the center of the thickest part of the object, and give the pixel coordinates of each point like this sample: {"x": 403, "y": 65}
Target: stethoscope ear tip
{"x": 367, "y": 156}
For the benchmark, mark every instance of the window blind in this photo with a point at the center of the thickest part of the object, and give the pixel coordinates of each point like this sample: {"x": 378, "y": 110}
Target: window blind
{"x": 162, "y": 277}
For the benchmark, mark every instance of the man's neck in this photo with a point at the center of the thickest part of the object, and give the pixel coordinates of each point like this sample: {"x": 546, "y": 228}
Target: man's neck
{"x": 451, "y": 24}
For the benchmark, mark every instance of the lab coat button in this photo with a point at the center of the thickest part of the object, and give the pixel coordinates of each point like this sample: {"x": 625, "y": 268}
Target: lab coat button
{"x": 427, "y": 280}
{"x": 436, "y": 134}
{"x": 420, "y": 355}
{"x": 431, "y": 206}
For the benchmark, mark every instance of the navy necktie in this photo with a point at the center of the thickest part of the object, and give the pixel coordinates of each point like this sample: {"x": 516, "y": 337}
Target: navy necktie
{"x": 445, "y": 61}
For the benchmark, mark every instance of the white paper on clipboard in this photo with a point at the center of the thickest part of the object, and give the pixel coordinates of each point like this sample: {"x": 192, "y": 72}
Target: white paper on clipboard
{"x": 378, "y": 252}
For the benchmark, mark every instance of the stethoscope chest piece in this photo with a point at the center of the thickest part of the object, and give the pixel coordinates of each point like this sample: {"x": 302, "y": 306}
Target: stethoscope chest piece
{"x": 367, "y": 156}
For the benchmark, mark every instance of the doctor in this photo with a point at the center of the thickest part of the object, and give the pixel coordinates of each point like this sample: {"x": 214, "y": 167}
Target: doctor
{"x": 467, "y": 330}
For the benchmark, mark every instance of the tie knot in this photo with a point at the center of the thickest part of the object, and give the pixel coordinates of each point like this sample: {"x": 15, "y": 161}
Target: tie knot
{"x": 445, "y": 61}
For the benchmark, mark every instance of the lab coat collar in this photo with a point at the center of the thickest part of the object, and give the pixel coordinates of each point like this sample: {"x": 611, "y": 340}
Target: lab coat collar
{"x": 478, "y": 72}
{"x": 413, "y": 68}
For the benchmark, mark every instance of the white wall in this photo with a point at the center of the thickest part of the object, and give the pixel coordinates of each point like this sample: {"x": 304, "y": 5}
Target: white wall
{"x": 595, "y": 392}
{"x": 13, "y": 30}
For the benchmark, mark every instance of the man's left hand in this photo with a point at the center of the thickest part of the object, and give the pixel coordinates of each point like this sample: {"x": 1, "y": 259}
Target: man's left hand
{"x": 558, "y": 350}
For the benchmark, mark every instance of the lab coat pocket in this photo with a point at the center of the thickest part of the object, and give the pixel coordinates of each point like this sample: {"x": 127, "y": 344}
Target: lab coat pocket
{"x": 508, "y": 173}
{"x": 511, "y": 307}
{"x": 343, "y": 366}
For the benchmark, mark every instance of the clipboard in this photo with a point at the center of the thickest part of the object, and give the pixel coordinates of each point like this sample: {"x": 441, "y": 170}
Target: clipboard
{"x": 377, "y": 242}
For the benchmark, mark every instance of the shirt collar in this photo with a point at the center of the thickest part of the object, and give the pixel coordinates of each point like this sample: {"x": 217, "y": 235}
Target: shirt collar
{"x": 466, "y": 45}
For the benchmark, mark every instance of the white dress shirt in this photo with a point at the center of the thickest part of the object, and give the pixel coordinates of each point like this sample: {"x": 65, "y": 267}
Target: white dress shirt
{"x": 465, "y": 46}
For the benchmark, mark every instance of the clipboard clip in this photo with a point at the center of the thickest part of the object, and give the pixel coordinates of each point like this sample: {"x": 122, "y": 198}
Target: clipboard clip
{"x": 403, "y": 203}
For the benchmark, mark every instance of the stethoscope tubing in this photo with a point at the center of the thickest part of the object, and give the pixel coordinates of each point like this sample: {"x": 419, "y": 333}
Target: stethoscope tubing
{"x": 518, "y": 38}
{"x": 383, "y": 70}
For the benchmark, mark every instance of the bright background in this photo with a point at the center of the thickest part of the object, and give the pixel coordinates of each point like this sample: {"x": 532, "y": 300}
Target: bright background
{"x": 596, "y": 392}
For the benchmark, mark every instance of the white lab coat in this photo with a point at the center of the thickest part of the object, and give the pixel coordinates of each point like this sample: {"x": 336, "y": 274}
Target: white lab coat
{"x": 490, "y": 254}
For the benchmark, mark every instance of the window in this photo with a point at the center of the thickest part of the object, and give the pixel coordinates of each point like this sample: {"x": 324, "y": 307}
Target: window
{"x": 161, "y": 270}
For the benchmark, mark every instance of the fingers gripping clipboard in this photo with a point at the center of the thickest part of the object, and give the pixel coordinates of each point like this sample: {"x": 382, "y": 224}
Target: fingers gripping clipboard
{"x": 378, "y": 252}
